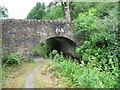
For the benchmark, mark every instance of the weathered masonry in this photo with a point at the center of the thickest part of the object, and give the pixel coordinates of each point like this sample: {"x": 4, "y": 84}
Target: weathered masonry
{"x": 21, "y": 35}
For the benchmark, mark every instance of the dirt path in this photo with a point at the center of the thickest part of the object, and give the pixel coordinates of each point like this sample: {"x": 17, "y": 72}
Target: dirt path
{"x": 30, "y": 80}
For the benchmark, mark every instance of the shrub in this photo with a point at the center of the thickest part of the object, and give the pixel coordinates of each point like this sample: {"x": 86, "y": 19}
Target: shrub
{"x": 102, "y": 41}
{"x": 12, "y": 59}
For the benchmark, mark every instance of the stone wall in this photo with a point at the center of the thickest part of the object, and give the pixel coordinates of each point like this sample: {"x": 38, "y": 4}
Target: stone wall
{"x": 0, "y": 54}
{"x": 0, "y": 40}
{"x": 21, "y": 35}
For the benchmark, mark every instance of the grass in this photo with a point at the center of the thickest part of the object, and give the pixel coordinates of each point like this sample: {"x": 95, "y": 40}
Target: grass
{"x": 45, "y": 78}
{"x": 15, "y": 76}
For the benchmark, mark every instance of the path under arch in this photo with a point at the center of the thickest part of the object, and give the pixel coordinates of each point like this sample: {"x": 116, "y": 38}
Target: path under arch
{"x": 30, "y": 80}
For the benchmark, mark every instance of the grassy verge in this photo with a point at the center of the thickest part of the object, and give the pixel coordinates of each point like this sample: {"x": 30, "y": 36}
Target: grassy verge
{"x": 85, "y": 76}
{"x": 45, "y": 78}
{"x": 15, "y": 76}
{"x": 93, "y": 74}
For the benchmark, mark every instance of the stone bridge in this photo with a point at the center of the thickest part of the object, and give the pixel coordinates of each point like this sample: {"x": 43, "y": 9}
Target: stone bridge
{"x": 21, "y": 35}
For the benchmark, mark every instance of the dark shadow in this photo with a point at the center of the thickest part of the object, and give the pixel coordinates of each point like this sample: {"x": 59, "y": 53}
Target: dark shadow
{"x": 62, "y": 44}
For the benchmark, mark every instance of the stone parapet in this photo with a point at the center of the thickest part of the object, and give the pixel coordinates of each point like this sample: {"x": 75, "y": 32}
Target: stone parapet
{"x": 35, "y": 20}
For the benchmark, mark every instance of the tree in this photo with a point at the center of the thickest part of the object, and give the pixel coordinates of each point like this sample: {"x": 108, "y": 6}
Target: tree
{"x": 37, "y": 12}
{"x": 3, "y": 12}
{"x": 101, "y": 7}
{"x": 54, "y": 11}
{"x": 67, "y": 10}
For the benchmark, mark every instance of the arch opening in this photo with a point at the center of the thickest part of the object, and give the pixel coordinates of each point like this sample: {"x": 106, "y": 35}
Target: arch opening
{"x": 60, "y": 44}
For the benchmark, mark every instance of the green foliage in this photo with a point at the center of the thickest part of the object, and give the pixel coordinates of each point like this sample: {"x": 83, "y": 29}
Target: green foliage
{"x": 56, "y": 56}
{"x": 77, "y": 8}
{"x": 37, "y": 12}
{"x": 52, "y": 54}
{"x": 3, "y": 12}
{"x": 100, "y": 36}
{"x": 104, "y": 7}
{"x": 55, "y": 13}
{"x": 50, "y": 12}
{"x": 87, "y": 75}
{"x": 41, "y": 49}
{"x": 101, "y": 47}
{"x": 86, "y": 23}
{"x": 12, "y": 59}
{"x": 101, "y": 7}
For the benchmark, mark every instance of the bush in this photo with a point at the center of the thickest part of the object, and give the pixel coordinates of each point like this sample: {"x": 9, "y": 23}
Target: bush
{"x": 12, "y": 59}
{"x": 101, "y": 41}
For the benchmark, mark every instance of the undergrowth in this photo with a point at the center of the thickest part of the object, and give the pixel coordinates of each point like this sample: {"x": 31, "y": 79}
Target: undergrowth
{"x": 90, "y": 75}
{"x": 12, "y": 59}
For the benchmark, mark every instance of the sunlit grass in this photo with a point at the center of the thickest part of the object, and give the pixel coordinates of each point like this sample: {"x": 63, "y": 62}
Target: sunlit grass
{"x": 15, "y": 76}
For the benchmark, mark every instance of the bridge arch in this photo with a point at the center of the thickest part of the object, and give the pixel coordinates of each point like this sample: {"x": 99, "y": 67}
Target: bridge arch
{"x": 59, "y": 43}
{"x": 21, "y": 35}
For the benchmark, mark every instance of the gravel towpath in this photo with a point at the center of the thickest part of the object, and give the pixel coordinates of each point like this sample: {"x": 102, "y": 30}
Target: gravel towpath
{"x": 30, "y": 80}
